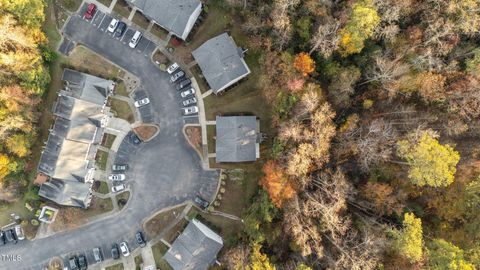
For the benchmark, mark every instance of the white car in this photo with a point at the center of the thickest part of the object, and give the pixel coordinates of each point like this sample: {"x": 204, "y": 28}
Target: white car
{"x": 116, "y": 177}
{"x": 112, "y": 26}
{"x": 118, "y": 188}
{"x": 189, "y": 101}
{"x": 187, "y": 93}
{"x": 172, "y": 68}
{"x": 19, "y": 232}
{"x": 124, "y": 249}
{"x": 135, "y": 39}
{"x": 190, "y": 110}
{"x": 141, "y": 102}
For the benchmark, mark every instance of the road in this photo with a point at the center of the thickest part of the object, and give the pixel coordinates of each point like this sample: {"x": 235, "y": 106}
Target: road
{"x": 164, "y": 172}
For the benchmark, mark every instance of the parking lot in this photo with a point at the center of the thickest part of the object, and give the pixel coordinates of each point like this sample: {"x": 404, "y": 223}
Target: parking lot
{"x": 100, "y": 22}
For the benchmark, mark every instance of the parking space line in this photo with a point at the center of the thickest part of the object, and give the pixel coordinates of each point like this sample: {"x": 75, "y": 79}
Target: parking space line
{"x": 100, "y": 23}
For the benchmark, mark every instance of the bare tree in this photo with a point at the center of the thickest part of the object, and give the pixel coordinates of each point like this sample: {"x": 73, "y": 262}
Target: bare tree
{"x": 326, "y": 38}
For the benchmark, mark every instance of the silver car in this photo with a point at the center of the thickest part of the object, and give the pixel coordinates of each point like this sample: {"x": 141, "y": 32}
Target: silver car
{"x": 141, "y": 102}
{"x": 189, "y": 101}
{"x": 179, "y": 74}
{"x": 187, "y": 93}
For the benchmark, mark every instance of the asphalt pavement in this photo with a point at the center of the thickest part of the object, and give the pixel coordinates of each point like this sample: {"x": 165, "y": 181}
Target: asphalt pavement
{"x": 163, "y": 172}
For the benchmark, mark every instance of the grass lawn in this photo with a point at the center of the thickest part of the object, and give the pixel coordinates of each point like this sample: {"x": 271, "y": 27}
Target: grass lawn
{"x": 202, "y": 83}
{"x": 140, "y": 20}
{"x": 211, "y": 132}
{"x": 121, "y": 89}
{"x": 70, "y": 5}
{"x": 102, "y": 187}
{"x": 122, "y": 199}
{"x": 215, "y": 23}
{"x": 72, "y": 217}
{"x": 118, "y": 266}
{"x": 122, "y": 8}
{"x": 101, "y": 159}
{"x": 159, "y": 31}
{"x": 108, "y": 140}
{"x": 171, "y": 235}
{"x": 106, "y": 2}
{"x": 158, "y": 251}
{"x": 84, "y": 60}
{"x": 122, "y": 110}
{"x": 158, "y": 223}
{"x": 138, "y": 262}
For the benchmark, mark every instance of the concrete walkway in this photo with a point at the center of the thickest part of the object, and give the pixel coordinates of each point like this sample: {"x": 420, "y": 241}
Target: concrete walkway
{"x": 208, "y": 93}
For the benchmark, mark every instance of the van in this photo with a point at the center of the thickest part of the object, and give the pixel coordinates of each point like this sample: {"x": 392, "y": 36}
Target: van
{"x": 135, "y": 39}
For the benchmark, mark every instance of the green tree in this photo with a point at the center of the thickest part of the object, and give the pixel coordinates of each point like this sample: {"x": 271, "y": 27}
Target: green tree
{"x": 408, "y": 241}
{"x": 446, "y": 256}
{"x": 18, "y": 144}
{"x": 431, "y": 163}
{"x": 28, "y": 12}
{"x": 302, "y": 27}
{"x": 262, "y": 211}
{"x": 363, "y": 20}
{"x": 258, "y": 260}
{"x": 302, "y": 267}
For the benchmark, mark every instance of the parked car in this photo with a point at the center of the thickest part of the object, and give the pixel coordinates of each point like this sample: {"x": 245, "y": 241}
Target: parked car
{"x": 187, "y": 93}
{"x": 124, "y": 249}
{"x": 97, "y": 255}
{"x": 140, "y": 239}
{"x": 182, "y": 84}
{"x": 172, "y": 68}
{"x": 118, "y": 188}
{"x": 177, "y": 75}
{"x": 82, "y": 262}
{"x": 90, "y": 11}
{"x": 120, "y": 29}
{"x": 2, "y": 238}
{"x": 73, "y": 263}
{"x": 142, "y": 102}
{"x": 116, "y": 177}
{"x": 189, "y": 101}
{"x": 119, "y": 167}
{"x": 201, "y": 202}
{"x": 19, "y": 232}
{"x": 10, "y": 236}
{"x": 112, "y": 26}
{"x": 115, "y": 252}
{"x": 134, "y": 139}
{"x": 190, "y": 110}
{"x": 135, "y": 39}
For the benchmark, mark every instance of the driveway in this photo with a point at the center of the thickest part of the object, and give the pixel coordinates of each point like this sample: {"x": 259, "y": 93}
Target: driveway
{"x": 163, "y": 172}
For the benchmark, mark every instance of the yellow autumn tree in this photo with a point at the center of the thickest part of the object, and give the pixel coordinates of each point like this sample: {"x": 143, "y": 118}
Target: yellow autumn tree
{"x": 258, "y": 260}
{"x": 431, "y": 164}
{"x": 408, "y": 241}
{"x": 276, "y": 183}
{"x": 363, "y": 20}
{"x": 304, "y": 63}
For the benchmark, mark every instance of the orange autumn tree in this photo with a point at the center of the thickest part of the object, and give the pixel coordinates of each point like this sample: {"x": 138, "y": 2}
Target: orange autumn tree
{"x": 304, "y": 63}
{"x": 276, "y": 183}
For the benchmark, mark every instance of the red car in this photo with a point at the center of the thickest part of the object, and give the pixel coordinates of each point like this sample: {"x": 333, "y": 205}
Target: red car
{"x": 90, "y": 11}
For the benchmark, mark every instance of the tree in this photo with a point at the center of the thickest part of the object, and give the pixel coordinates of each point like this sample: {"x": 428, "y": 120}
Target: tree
{"x": 18, "y": 144}
{"x": 258, "y": 260}
{"x": 304, "y": 63}
{"x": 446, "y": 256}
{"x": 261, "y": 211}
{"x": 409, "y": 241}
{"x": 431, "y": 163}
{"x": 29, "y": 12}
{"x": 361, "y": 25}
{"x": 342, "y": 86}
{"x": 276, "y": 183}
{"x": 326, "y": 38}
{"x": 432, "y": 86}
{"x": 383, "y": 198}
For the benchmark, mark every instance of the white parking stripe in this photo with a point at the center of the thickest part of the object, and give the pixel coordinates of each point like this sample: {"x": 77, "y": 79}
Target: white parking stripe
{"x": 104, "y": 15}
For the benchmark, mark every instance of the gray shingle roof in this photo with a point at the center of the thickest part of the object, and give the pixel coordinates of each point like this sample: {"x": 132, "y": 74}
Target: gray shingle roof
{"x": 195, "y": 249}
{"x": 70, "y": 193}
{"x": 237, "y": 139}
{"x": 176, "y": 16}
{"x": 221, "y": 62}
{"x": 86, "y": 87}
{"x": 68, "y": 157}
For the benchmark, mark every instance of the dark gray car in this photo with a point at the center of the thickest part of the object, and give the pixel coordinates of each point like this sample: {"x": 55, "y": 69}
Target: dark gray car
{"x": 182, "y": 84}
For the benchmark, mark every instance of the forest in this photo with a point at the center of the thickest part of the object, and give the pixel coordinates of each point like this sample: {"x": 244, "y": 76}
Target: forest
{"x": 24, "y": 78}
{"x": 374, "y": 165}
